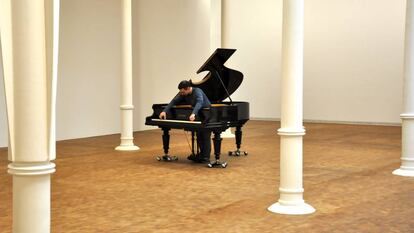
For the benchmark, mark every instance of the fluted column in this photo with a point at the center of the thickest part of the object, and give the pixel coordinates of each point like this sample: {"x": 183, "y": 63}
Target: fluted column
{"x": 127, "y": 108}
{"x": 216, "y": 40}
{"x": 29, "y": 31}
{"x": 291, "y": 131}
{"x": 407, "y": 117}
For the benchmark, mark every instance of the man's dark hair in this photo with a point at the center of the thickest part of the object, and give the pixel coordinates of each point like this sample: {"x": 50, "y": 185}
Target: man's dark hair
{"x": 184, "y": 84}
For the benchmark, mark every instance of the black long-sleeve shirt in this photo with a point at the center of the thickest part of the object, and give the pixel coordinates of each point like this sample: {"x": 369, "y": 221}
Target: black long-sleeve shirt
{"x": 197, "y": 99}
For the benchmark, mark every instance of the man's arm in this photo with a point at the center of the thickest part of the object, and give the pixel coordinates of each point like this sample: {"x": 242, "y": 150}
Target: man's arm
{"x": 174, "y": 101}
{"x": 177, "y": 99}
{"x": 199, "y": 102}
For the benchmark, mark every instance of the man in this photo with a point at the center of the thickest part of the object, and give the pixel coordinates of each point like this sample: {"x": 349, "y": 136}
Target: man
{"x": 198, "y": 99}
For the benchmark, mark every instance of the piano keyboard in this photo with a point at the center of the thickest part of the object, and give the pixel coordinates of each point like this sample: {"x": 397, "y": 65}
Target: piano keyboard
{"x": 178, "y": 121}
{"x": 189, "y": 106}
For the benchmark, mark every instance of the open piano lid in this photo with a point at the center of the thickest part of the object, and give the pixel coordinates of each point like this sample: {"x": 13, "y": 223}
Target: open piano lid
{"x": 221, "y": 81}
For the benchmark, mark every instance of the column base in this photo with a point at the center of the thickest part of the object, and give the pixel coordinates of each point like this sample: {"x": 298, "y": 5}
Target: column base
{"x": 227, "y": 134}
{"x": 127, "y": 148}
{"x": 291, "y": 209}
{"x": 403, "y": 172}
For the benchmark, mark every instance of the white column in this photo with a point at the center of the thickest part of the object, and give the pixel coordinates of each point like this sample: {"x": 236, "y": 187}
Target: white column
{"x": 407, "y": 117}
{"x": 127, "y": 109}
{"x": 30, "y": 81}
{"x": 216, "y": 40}
{"x": 291, "y": 131}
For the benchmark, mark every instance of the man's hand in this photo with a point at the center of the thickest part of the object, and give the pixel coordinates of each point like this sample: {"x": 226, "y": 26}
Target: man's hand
{"x": 192, "y": 117}
{"x": 163, "y": 115}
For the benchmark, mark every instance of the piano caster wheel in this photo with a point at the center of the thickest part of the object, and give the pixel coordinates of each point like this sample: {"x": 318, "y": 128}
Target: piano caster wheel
{"x": 167, "y": 158}
{"x": 173, "y": 158}
{"x": 237, "y": 153}
{"x": 217, "y": 164}
{"x": 234, "y": 153}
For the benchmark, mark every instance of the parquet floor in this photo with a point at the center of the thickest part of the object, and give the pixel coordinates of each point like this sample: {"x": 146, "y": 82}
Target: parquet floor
{"x": 347, "y": 178}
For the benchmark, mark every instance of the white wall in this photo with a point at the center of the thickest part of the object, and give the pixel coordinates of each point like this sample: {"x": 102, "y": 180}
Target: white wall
{"x": 354, "y": 53}
{"x": 171, "y": 41}
{"x": 353, "y": 57}
{"x": 88, "y": 95}
{"x": 254, "y": 28}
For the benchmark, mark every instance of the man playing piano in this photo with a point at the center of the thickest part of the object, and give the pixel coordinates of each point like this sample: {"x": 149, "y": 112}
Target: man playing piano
{"x": 198, "y": 99}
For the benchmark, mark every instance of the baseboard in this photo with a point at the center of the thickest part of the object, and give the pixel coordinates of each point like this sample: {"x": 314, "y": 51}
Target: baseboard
{"x": 264, "y": 119}
{"x": 332, "y": 122}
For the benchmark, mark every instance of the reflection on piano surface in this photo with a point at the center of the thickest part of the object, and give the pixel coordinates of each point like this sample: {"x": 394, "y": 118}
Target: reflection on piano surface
{"x": 218, "y": 84}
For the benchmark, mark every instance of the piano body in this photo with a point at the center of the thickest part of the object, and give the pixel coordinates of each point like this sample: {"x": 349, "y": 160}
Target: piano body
{"x": 218, "y": 84}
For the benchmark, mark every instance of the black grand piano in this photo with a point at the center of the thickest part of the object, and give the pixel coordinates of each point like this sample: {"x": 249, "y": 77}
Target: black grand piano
{"x": 218, "y": 84}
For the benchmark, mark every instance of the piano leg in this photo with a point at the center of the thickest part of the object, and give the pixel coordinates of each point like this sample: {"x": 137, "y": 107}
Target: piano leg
{"x": 193, "y": 155}
{"x": 192, "y": 142}
{"x": 166, "y": 145}
{"x": 217, "y": 149}
{"x": 198, "y": 147}
{"x": 238, "y": 152}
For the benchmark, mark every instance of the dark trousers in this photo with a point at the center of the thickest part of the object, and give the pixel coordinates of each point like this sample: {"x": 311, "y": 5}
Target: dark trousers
{"x": 204, "y": 141}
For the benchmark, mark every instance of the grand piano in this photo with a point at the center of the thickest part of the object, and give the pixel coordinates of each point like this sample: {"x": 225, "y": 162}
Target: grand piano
{"x": 219, "y": 83}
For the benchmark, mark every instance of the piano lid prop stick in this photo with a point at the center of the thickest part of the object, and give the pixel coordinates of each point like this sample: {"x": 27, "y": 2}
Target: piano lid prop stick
{"x": 224, "y": 86}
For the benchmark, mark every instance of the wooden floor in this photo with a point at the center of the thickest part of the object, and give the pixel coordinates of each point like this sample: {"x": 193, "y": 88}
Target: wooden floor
{"x": 347, "y": 178}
